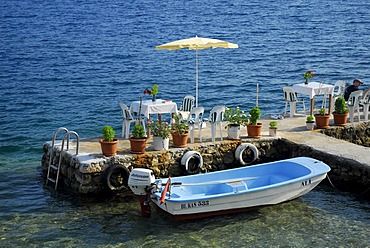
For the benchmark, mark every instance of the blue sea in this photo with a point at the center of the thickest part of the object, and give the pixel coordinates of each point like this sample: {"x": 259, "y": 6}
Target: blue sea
{"x": 69, "y": 63}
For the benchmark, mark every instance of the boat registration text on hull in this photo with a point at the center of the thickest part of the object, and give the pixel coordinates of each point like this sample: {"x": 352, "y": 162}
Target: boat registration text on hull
{"x": 195, "y": 204}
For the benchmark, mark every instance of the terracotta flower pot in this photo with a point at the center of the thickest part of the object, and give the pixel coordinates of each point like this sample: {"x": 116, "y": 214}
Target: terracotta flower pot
{"x": 322, "y": 121}
{"x": 340, "y": 119}
{"x": 109, "y": 148}
{"x": 254, "y": 130}
{"x": 138, "y": 146}
{"x": 180, "y": 140}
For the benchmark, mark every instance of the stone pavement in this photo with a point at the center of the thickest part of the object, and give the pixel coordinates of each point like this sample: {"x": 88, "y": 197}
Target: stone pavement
{"x": 294, "y": 129}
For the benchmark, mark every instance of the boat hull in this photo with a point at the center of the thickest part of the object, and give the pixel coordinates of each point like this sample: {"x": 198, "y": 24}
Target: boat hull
{"x": 193, "y": 198}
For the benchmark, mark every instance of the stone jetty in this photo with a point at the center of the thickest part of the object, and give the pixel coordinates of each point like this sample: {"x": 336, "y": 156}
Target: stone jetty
{"x": 345, "y": 149}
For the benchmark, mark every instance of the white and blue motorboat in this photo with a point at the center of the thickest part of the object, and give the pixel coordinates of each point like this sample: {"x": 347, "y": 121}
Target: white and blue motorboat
{"x": 227, "y": 191}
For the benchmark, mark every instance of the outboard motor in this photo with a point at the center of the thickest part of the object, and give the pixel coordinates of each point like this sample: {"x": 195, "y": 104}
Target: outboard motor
{"x": 141, "y": 182}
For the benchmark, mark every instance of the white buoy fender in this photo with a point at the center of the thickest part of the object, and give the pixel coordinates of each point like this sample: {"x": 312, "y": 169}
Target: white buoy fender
{"x": 194, "y": 157}
{"x": 241, "y": 148}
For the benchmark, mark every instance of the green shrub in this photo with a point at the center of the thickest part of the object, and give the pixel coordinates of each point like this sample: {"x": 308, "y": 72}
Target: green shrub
{"x": 340, "y": 106}
{"x": 322, "y": 111}
{"x": 108, "y": 133}
{"x": 309, "y": 118}
{"x": 138, "y": 132}
{"x": 273, "y": 124}
{"x": 155, "y": 89}
{"x": 235, "y": 116}
{"x": 179, "y": 127}
{"x": 254, "y": 115}
{"x": 159, "y": 128}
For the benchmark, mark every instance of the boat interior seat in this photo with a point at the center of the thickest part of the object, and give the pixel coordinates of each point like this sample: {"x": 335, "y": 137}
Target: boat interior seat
{"x": 267, "y": 180}
{"x": 227, "y": 188}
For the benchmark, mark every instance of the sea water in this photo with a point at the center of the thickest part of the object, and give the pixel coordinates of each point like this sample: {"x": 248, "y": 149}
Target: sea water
{"x": 69, "y": 63}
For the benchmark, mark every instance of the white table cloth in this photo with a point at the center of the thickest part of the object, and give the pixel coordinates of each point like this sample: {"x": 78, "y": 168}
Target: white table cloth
{"x": 312, "y": 89}
{"x": 158, "y": 107}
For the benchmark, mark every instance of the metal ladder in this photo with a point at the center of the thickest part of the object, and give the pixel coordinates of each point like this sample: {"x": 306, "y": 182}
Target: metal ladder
{"x": 54, "y": 168}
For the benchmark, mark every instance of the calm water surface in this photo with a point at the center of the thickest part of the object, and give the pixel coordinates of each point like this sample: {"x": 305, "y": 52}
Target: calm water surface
{"x": 68, "y": 63}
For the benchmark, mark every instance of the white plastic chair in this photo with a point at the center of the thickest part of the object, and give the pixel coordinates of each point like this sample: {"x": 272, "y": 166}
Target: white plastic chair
{"x": 127, "y": 119}
{"x": 196, "y": 120}
{"x": 354, "y": 104}
{"x": 365, "y": 101}
{"x": 186, "y": 106}
{"x": 216, "y": 117}
{"x": 338, "y": 91}
{"x": 290, "y": 97}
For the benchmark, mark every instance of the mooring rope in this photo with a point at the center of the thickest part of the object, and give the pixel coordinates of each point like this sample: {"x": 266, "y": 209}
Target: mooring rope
{"x": 331, "y": 182}
{"x": 365, "y": 191}
{"x": 368, "y": 189}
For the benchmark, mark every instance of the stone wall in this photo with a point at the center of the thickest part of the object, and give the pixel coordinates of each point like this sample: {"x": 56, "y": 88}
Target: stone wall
{"x": 357, "y": 133}
{"x": 87, "y": 175}
{"x": 346, "y": 174}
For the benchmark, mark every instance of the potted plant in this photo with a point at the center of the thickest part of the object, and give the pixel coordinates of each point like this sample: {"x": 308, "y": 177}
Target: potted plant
{"x": 153, "y": 91}
{"x": 310, "y": 123}
{"x": 180, "y": 132}
{"x": 161, "y": 134}
{"x": 108, "y": 143}
{"x": 307, "y": 76}
{"x": 254, "y": 128}
{"x": 138, "y": 139}
{"x": 273, "y": 128}
{"x": 340, "y": 111}
{"x": 235, "y": 118}
{"x": 322, "y": 119}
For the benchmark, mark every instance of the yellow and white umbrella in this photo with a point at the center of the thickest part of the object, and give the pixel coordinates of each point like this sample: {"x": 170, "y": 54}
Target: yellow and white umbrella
{"x": 196, "y": 43}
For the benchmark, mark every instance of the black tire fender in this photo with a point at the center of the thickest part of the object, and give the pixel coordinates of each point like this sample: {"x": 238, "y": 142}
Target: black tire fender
{"x": 115, "y": 177}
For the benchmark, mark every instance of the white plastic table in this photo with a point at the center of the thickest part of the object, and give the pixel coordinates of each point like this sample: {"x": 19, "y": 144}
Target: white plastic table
{"x": 312, "y": 89}
{"x": 149, "y": 107}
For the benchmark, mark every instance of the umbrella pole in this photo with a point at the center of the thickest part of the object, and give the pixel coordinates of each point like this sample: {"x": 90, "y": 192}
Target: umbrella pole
{"x": 257, "y": 96}
{"x": 141, "y": 103}
{"x": 196, "y": 78}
